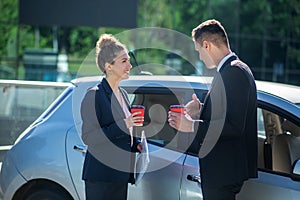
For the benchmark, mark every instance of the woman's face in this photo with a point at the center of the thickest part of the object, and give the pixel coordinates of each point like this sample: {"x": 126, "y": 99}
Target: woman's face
{"x": 121, "y": 66}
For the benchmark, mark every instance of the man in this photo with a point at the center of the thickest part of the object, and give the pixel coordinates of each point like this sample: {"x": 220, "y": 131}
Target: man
{"x": 226, "y": 128}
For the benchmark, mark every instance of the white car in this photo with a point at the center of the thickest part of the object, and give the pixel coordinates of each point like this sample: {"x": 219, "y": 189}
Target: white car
{"x": 46, "y": 160}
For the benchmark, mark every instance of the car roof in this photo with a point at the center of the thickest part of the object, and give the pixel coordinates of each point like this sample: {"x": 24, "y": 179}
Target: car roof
{"x": 288, "y": 92}
{"x": 183, "y": 82}
{"x": 26, "y": 83}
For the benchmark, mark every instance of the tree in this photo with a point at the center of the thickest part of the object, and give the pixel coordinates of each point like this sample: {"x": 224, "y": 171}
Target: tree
{"x": 264, "y": 33}
{"x": 8, "y": 21}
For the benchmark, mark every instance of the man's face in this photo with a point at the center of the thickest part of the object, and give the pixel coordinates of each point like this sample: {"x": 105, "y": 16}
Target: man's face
{"x": 204, "y": 54}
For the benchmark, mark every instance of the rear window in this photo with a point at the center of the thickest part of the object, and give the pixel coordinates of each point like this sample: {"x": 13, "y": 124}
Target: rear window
{"x": 55, "y": 104}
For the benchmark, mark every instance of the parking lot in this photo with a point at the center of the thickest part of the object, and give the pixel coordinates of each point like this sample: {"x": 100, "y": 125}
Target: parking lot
{"x": 21, "y": 103}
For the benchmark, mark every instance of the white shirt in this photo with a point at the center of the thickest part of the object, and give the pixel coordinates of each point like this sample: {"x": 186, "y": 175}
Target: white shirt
{"x": 224, "y": 60}
{"x": 218, "y": 69}
{"x": 125, "y": 110}
{"x": 127, "y": 114}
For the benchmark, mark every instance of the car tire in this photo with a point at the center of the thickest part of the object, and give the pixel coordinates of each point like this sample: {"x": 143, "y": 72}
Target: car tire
{"x": 48, "y": 194}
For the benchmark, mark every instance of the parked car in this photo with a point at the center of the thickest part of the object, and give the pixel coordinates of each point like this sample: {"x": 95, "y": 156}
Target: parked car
{"x": 47, "y": 159}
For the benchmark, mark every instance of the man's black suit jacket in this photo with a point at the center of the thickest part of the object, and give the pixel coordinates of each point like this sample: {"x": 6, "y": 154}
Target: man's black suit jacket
{"x": 228, "y": 126}
{"x": 104, "y": 131}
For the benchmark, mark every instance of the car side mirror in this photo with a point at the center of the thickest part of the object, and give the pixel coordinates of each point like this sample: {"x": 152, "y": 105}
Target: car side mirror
{"x": 296, "y": 170}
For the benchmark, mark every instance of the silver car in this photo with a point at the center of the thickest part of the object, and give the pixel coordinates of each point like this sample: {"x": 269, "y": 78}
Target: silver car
{"x": 46, "y": 160}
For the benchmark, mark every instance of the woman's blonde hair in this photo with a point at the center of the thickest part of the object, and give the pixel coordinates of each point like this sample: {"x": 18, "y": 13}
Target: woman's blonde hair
{"x": 107, "y": 49}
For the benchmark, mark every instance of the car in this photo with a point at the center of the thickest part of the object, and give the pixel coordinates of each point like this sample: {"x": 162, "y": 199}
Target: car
{"x": 47, "y": 158}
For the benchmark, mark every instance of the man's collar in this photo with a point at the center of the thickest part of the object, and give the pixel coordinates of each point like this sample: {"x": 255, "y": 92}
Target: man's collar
{"x": 224, "y": 60}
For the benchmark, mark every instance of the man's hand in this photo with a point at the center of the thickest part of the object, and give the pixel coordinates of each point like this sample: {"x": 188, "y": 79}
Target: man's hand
{"x": 180, "y": 122}
{"x": 193, "y": 107}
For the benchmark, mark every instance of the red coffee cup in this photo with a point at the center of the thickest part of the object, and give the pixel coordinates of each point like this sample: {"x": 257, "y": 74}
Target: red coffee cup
{"x": 177, "y": 108}
{"x": 138, "y": 108}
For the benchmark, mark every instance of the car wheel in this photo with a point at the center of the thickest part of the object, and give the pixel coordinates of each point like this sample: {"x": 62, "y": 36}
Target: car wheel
{"x": 48, "y": 194}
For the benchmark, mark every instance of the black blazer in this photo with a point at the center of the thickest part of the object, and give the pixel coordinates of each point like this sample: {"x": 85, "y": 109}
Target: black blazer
{"x": 109, "y": 155}
{"x": 227, "y": 133}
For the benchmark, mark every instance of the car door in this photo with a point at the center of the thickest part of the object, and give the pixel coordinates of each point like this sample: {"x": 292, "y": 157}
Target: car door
{"x": 75, "y": 150}
{"x": 270, "y": 184}
{"x": 191, "y": 182}
{"x": 274, "y": 181}
{"x": 163, "y": 176}
{"x": 162, "y": 179}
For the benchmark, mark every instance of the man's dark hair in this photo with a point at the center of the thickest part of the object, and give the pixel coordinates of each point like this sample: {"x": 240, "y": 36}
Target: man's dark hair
{"x": 210, "y": 30}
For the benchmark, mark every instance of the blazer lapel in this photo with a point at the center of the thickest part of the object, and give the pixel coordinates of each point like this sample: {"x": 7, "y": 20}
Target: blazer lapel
{"x": 115, "y": 105}
{"x": 216, "y": 78}
{"x": 227, "y": 62}
{"x": 125, "y": 98}
{"x": 206, "y": 102}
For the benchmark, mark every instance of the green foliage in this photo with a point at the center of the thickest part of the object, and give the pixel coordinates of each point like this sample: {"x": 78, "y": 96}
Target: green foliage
{"x": 82, "y": 40}
{"x": 261, "y": 32}
{"x": 8, "y": 17}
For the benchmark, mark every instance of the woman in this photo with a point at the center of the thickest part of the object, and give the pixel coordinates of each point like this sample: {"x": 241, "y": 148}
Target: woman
{"x": 107, "y": 126}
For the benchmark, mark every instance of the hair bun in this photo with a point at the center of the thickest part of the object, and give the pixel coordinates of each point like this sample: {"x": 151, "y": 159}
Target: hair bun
{"x": 107, "y": 48}
{"x": 105, "y": 40}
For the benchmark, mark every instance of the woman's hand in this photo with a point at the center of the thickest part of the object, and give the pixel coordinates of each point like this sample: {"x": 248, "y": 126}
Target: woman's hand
{"x": 140, "y": 147}
{"x": 134, "y": 120}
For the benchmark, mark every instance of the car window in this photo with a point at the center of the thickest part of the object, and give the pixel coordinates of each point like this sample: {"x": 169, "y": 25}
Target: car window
{"x": 156, "y": 126}
{"x": 260, "y": 124}
{"x": 55, "y": 104}
{"x": 131, "y": 98}
{"x": 281, "y": 146}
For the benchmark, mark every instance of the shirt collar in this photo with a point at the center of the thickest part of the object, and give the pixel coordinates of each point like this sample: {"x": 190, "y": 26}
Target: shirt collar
{"x": 224, "y": 60}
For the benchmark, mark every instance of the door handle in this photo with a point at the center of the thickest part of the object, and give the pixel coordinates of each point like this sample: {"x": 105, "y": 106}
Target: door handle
{"x": 194, "y": 178}
{"x": 81, "y": 149}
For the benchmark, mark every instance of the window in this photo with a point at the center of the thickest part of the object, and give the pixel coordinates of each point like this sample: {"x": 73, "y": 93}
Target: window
{"x": 156, "y": 126}
{"x": 131, "y": 98}
{"x": 278, "y": 142}
{"x": 260, "y": 124}
{"x": 157, "y": 102}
